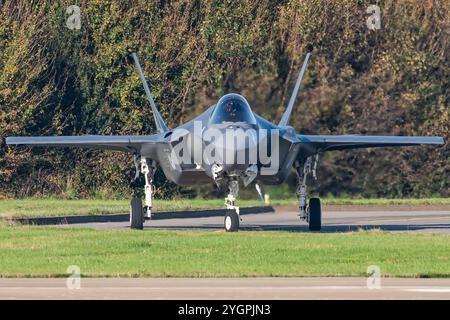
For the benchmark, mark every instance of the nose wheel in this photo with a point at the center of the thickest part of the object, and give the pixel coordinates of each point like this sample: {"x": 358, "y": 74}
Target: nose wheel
{"x": 231, "y": 221}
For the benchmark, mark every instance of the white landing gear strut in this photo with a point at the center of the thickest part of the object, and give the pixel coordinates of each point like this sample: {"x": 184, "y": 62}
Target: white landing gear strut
{"x": 137, "y": 212}
{"x": 148, "y": 170}
{"x": 231, "y": 221}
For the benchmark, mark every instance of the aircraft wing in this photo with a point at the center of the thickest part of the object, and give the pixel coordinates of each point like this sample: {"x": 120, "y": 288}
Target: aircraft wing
{"x": 117, "y": 143}
{"x": 343, "y": 142}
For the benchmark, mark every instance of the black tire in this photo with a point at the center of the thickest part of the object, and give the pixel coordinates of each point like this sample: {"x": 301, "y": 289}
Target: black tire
{"x": 315, "y": 215}
{"x": 231, "y": 221}
{"x": 136, "y": 214}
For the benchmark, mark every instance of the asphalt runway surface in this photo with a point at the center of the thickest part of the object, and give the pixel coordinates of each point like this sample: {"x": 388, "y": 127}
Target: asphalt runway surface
{"x": 436, "y": 221}
{"x": 225, "y": 288}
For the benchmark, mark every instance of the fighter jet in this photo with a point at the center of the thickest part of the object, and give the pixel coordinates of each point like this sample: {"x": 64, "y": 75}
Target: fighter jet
{"x": 230, "y": 145}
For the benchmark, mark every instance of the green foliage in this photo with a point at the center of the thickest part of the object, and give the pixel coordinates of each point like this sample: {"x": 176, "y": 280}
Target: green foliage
{"x": 59, "y": 81}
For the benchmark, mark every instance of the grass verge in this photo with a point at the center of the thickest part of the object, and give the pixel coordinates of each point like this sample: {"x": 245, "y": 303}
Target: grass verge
{"x": 59, "y": 207}
{"x": 48, "y": 251}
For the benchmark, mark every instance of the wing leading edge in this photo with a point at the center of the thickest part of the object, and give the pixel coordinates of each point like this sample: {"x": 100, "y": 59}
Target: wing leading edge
{"x": 117, "y": 143}
{"x": 345, "y": 142}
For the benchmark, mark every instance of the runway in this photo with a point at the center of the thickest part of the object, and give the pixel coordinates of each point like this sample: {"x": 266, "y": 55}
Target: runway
{"x": 225, "y": 288}
{"x": 388, "y": 219}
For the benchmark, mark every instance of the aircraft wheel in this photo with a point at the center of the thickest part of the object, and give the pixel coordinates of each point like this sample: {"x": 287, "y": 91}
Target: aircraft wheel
{"x": 315, "y": 215}
{"x": 136, "y": 214}
{"x": 231, "y": 221}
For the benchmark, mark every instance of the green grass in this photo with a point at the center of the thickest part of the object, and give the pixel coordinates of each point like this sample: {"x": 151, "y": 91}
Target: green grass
{"x": 59, "y": 207}
{"x": 48, "y": 251}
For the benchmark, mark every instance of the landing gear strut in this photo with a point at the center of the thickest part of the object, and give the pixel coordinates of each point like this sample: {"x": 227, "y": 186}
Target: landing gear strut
{"x": 137, "y": 212}
{"x": 312, "y": 213}
{"x": 148, "y": 170}
{"x": 231, "y": 221}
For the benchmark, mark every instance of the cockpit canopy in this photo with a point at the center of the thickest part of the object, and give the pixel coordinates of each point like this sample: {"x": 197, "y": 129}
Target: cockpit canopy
{"x": 232, "y": 108}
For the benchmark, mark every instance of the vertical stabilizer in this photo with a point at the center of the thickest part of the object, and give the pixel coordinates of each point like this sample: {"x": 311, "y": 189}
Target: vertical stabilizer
{"x": 287, "y": 114}
{"x": 160, "y": 125}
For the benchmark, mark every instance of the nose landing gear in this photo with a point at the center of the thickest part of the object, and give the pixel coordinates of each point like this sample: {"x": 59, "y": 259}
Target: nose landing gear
{"x": 231, "y": 221}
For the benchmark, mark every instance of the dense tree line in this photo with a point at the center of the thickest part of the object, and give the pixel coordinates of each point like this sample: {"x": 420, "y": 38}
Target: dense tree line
{"x": 56, "y": 80}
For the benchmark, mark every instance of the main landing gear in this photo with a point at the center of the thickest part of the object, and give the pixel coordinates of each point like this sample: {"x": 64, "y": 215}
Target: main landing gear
{"x": 139, "y": 213}
{"x": 311, "y": 213}
{"x": 231, "y": 221}
{"x": 136, "y": 214}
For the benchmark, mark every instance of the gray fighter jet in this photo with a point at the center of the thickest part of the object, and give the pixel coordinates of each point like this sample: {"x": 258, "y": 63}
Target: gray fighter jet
{"x": 228, "y": 144}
